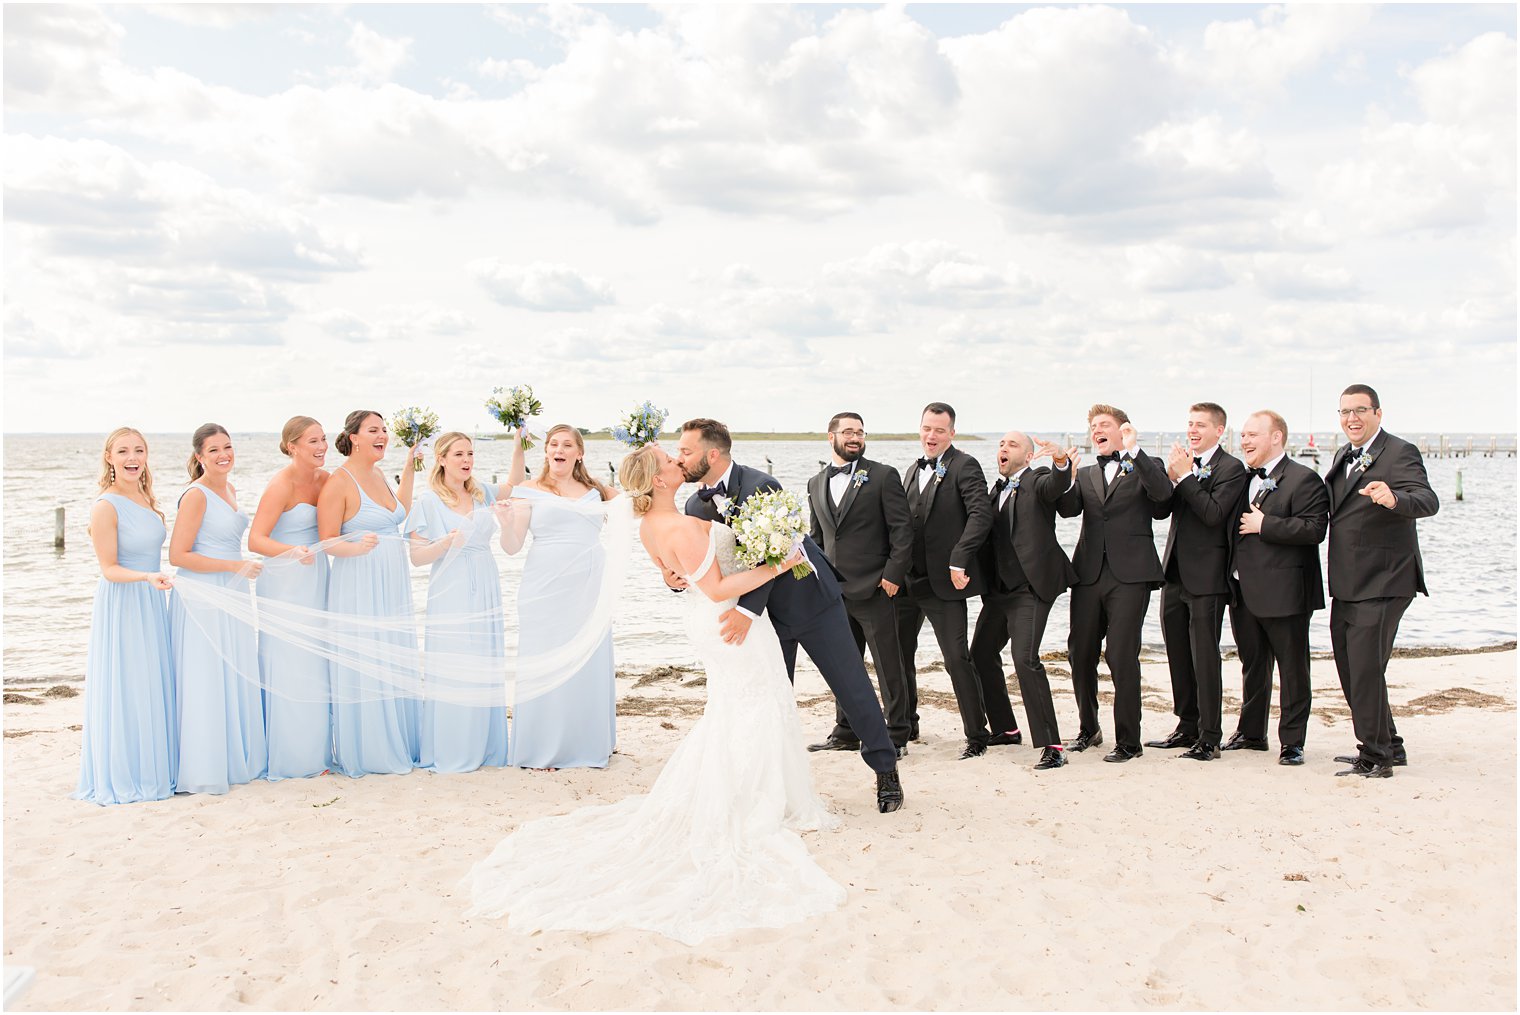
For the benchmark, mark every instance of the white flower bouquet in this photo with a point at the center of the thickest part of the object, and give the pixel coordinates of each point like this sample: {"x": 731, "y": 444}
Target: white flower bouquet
{"x": 768, "y": 527}
{"x": 413, "y": 426}
{"x": 513, "y": 407}
{"x": 641, "y": 427}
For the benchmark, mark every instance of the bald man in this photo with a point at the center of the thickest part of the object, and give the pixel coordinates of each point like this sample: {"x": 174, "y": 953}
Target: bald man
{"x": 1027, "y": 570}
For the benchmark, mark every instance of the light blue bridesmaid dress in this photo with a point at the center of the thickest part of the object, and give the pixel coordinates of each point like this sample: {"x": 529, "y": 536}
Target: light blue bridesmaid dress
{"x": 462, "y": 583}
{"x": 574, "y": 725}
{"x": 298, "y": 694}
{"x": 128, "y": 749}
{"x": 374, "y": 727}
{"x": 218, "y": 700}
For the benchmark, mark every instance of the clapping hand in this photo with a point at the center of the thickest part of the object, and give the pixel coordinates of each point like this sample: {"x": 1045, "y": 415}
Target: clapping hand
{"x": 1180, "y": 462}
{"x": 1128, "y": 435}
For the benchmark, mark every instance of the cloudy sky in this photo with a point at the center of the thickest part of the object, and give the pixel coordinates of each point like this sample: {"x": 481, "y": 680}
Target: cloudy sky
{"x": 762, "y": 213}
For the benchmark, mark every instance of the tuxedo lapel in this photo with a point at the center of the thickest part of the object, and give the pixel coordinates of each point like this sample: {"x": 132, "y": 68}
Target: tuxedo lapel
{"x": 1276, "y": 476}
{"x": 926, "y": 500}
{"x": 826, "y": 517}
{"x": 851, "y": 490}
{"x": 1353, "y": 481}
{"x": 1108, "y": 491}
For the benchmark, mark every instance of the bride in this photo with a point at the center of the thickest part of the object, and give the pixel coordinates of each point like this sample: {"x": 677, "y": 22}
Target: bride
{"x": 713, "y": 847}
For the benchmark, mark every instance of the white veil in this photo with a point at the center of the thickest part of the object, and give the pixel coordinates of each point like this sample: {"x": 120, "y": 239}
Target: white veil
{"x": 439, "y": 656}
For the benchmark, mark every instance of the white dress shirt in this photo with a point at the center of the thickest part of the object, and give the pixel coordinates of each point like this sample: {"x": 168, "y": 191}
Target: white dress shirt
{"x": 926, "y": 472}
{"x": 1357, "y": 449}
{"x": 1007, "y": 490}
{"x": 1111, "y": 469}
{"x": 838, "y": 484}
{"x": 1199, "y": 461}
{"x": 1257, "y": 482}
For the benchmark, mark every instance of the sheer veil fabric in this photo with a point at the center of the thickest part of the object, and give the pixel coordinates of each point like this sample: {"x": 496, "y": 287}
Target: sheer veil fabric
{"x": 406, "y": 667}
{"x": 714, "y": 846}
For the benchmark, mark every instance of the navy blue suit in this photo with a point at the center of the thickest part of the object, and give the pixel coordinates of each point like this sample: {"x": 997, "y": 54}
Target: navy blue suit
{"x": 810, "y": 612}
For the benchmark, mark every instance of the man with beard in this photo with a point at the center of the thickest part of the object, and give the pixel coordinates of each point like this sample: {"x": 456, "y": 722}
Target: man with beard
{"x": 860, "y": 518}
{"x": 1378, "y": 488}
{"x": 947, "y": 501}
{"x": 1026, "y": 570}
{"x": 1278, "y": 523}
{"x": 807, "y": 611}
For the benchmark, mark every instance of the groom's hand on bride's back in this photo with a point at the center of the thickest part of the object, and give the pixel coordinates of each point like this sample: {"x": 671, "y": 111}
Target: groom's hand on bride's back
{"x": 733, "y": 625}
{"x": 673, "y": 580}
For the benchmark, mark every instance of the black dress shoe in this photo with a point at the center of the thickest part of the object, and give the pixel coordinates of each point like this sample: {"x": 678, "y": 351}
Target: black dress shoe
{"x": 1400, "y": 760}
{"x": 1240, "y": 742}
{"x": 902, "y": 750}
{"x": 974, "y": 749}
{"x": 1085, "y": 740}
{"x": 1004, "y": 739}
{"x": 1177, "y": 739}
{"x": 889, "y": 792}
{"x": 913, "y": 734}
{"x": 1290, "y": 756}
{"x": 1201, "y": 751}
{"x": 1368, "y": 770}
{"x": 1122, "y": 753}
{"x": 1051, "y": 757}
{"x": 835, "y": 744}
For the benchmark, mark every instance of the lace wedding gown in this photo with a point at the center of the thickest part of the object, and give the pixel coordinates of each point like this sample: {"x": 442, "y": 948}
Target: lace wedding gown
{"x": 713, "y": 847}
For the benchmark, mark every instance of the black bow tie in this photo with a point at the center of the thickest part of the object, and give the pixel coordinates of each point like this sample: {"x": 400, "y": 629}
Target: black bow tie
{"x": 707, "y": 493}
{"x": 1197, "y": 462}
{"x": 835, "y": 470}
{"x": 926, "y": 463}
{"x": 1001, "y": 484}
{"x": 1114, "y": 457}
{"x": 1259, "y": 473}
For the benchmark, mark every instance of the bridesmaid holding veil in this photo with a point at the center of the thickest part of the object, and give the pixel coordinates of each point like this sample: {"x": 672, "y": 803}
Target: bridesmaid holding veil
{"x": 219, "y": 704}
{"x": 128, "y": 745}
{"x": 375, "y": 728}
{"x": 451, "y": 526}
{"x": 574, "y": 725}
{"x": 298, "y": 695}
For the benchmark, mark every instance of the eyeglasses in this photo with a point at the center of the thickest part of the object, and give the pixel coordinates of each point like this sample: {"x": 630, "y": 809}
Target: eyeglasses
{"x": 1360, "y": 410}
{"x": 851, "y": 435}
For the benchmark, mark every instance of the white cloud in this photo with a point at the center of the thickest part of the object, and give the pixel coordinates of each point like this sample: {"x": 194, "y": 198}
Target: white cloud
{"x": 393, "y": 323}
{"x": 541, "y": 286}
{"x": 376, "y": 57}
{"x": 1284, "y": 278}
{"x": 1168, "y": 267}
{"x": 1255, "y": 55}
{"x": 935, "y": 273}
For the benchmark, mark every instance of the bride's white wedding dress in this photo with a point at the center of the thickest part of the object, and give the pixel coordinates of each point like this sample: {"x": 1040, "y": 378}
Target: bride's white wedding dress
{"x": 713, "y": 847}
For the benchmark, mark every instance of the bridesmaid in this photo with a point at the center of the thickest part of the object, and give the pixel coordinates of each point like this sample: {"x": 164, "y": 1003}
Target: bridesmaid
{"x": 375, "y": 724}
{"x": 451, "y": 526}
{"x": 574, "y": 725}
{"x": 128, "y": 749}
{"x": 297, "y": 693}
{"x": 216, "y": 661}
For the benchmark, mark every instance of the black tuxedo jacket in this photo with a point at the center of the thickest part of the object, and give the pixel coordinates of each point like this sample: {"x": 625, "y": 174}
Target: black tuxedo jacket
{"x": 951, "y": 520}
{"x": 1023, "y": 540}
{"x": 1116, "y": 523}
{"x": 1279, "y": 568}
{"x": 792, "y": 602}
{"x": 1375, "y": 551}
{"x": 869, "y": 536}
{"x": 1203, "y": 516}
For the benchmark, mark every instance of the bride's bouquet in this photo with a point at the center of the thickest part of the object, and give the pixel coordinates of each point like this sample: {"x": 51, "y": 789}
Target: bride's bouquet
{"x": 768, "y": 527}
{"x": 412, "y": 426}
{"x": 513, "y": 407}
{"x": 640, "y": 427}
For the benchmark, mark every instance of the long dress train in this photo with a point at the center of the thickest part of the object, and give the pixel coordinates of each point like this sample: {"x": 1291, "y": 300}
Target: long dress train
{"x": 713, "y": 847}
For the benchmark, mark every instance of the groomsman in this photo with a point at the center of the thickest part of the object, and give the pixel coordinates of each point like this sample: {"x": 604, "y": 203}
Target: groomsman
{"x": 1117, "y": 569}
{"x": 1207, "y": 482}
{"x": 1026, "y": 570}
{"x": 947, "y": 502}
{"x": 1275, "y": 532}
{"x": 1378, "y": 488}
{"x": 860, "y": 518}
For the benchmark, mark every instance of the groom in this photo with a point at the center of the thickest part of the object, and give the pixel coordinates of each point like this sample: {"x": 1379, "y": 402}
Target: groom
{"x": 808, "y": 611}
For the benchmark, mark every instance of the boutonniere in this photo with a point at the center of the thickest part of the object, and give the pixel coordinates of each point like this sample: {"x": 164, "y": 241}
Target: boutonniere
{"x": 1363, "y": 462}
{"x": 1126, "y": 465}
{"x": 939, "y": 472}
{"x": 725, "y": 506}
{"x": 1204, "y": 472}
{"x": 1268, "y": 485}
{"x": 860, "y": 478}
{"x": 1015, "y": 484}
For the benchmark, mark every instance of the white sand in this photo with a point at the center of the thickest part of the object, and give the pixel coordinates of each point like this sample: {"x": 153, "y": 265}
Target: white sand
{"x": 1160, "y": 883}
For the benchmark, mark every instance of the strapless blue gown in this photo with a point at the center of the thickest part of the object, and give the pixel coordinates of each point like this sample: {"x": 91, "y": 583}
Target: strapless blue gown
{"x": 127, "y": 752}
{"x": 462, "y": 738}
{"x": 574, "y": 725}
{"x": 374, "y": 730}
{"x": 298, "y": 695}
{"x": 216, "y": 665}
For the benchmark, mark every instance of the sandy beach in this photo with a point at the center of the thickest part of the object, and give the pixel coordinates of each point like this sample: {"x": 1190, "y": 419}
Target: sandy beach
{"x": 1162, "y": 883}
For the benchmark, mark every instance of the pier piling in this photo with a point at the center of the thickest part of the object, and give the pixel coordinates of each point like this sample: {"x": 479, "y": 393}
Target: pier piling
{"x": 58, "y": 528}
